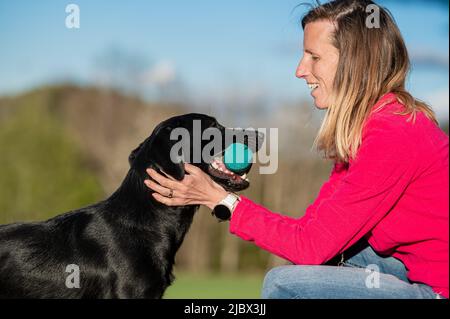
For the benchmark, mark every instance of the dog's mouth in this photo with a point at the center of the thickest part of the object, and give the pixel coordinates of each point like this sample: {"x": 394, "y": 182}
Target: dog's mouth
{"x": 218, "y": 170}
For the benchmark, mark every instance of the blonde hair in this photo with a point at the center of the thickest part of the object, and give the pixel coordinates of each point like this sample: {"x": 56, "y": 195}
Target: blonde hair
{"x": 372, "y": 62}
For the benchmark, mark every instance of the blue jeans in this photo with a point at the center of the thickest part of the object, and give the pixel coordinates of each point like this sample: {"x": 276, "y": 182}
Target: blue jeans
{"x": 363, "y": 275}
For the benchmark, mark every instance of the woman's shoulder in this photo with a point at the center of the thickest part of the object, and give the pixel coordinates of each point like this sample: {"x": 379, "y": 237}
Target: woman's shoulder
{"x": 413, "y": 132}
{"x": 388, "y": 114}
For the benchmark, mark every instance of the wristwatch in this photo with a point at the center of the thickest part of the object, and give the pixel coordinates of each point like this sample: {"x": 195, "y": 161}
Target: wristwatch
{"x": 223, "y": 210}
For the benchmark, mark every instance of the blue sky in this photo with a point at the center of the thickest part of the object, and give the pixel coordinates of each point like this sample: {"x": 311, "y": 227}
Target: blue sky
{"x": 249, "y": 48}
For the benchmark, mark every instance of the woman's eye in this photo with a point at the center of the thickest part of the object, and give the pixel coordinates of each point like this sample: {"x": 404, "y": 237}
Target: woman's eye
{"x": 315, "y": 58}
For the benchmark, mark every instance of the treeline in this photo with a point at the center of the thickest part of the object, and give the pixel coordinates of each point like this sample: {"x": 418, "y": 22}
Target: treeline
{"x": 64, "y": 147}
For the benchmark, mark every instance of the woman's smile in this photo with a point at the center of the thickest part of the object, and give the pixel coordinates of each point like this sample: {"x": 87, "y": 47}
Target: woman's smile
{"x": 313, "y": 88}
{"x": 319, "y": 62}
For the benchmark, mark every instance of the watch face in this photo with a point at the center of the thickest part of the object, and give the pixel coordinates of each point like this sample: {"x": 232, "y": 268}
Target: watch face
{"x": 222, "y": 212}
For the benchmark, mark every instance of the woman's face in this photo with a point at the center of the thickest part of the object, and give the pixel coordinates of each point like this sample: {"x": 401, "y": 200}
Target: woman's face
{"x": 319, "y": 62}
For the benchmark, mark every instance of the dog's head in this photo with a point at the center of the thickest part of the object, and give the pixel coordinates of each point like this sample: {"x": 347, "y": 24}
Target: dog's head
{"x": 197, "y": 139}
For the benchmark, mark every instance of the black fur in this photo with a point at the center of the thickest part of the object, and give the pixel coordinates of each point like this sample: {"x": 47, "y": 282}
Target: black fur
{"x": 124, "y": 246}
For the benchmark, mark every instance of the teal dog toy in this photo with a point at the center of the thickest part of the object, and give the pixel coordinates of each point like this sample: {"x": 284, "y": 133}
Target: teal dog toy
{"x": 238, "y": 157}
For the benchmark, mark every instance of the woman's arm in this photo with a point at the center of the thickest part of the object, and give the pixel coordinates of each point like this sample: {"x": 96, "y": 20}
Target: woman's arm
{"x": 370, "y": 188}
{"x": 349, "y": 205}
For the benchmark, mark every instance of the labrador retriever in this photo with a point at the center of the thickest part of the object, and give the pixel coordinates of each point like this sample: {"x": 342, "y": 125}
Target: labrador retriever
{"x": 123, "y": 246}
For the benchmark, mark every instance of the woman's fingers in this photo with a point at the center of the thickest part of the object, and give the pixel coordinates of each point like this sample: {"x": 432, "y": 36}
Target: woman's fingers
{"x": 170, "y": 201}
{"x": 164, "y": 181}
{"x": 191, "y": 169}
{"x": 165, "y": 200}
{"x": 190, "y": 191}
{"x": 157, "y": 188}
{"x": 168, "y": 176}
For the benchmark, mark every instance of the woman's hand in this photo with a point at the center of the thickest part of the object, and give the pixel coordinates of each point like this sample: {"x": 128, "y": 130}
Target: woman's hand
{"x": 196, "y": 188}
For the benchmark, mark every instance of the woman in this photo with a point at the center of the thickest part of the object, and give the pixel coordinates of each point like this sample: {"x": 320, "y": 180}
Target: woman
{"x": 386, "y": 202}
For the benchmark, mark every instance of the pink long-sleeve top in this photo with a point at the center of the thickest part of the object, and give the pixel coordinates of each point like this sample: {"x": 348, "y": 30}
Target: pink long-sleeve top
{"x": 395, "y": 193}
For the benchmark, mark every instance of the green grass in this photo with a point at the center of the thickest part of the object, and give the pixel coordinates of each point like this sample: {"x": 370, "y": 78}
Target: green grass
{"x": 215, "y": 286}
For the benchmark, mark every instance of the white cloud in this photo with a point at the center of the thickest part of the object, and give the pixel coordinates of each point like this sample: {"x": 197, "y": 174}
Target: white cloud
{"x": 162, "y": 73}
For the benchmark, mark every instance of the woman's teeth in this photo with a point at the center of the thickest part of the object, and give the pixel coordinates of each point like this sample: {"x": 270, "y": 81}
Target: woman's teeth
{"x": 312, "y": 86}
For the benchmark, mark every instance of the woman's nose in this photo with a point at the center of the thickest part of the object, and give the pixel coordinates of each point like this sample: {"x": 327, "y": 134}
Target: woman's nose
{"x": 301, "y": 71}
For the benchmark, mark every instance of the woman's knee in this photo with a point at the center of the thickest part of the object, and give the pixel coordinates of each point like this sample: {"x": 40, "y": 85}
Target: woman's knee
{"x": 273, "y": 281}
{"x": 287, "y": 282}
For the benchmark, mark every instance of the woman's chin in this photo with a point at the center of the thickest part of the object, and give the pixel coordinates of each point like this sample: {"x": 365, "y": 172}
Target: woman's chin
{"x": 319, "y": 104}
{"x": 319, "y": 101}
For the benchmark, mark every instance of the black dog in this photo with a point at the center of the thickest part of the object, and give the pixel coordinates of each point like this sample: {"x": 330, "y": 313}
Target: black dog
{"x": 124, "y": 246}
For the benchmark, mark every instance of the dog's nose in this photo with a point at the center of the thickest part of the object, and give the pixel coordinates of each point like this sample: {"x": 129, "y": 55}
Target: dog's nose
{"x": 260, "y": 139}
{"x": 258, "y": 142}
{"x": 250, "y": 137}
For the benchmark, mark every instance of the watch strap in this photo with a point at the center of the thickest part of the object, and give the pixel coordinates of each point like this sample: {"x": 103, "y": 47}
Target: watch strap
{"x": 230, "y": 200}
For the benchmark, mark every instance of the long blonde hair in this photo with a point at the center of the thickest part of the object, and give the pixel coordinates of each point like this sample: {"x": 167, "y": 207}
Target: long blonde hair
{"x": 372, "y": 62}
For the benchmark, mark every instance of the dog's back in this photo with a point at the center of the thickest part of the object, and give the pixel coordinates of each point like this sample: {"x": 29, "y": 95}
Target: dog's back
{"x": 34, "y": 257}
{"x": 113, "y": 257}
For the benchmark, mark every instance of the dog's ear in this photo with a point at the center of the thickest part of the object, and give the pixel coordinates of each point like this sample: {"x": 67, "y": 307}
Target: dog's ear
{"x": 160, "y": 155}
{"x": 134, "y": 153}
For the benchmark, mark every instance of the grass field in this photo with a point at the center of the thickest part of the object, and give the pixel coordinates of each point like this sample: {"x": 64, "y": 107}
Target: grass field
{"x": 215, "y": 286}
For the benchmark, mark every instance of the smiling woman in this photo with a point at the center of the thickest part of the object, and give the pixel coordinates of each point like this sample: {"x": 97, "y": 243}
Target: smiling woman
{"x": 319, "y": 63}
{"x": 349, "y": 67}
{"x": 386, "y": 202}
